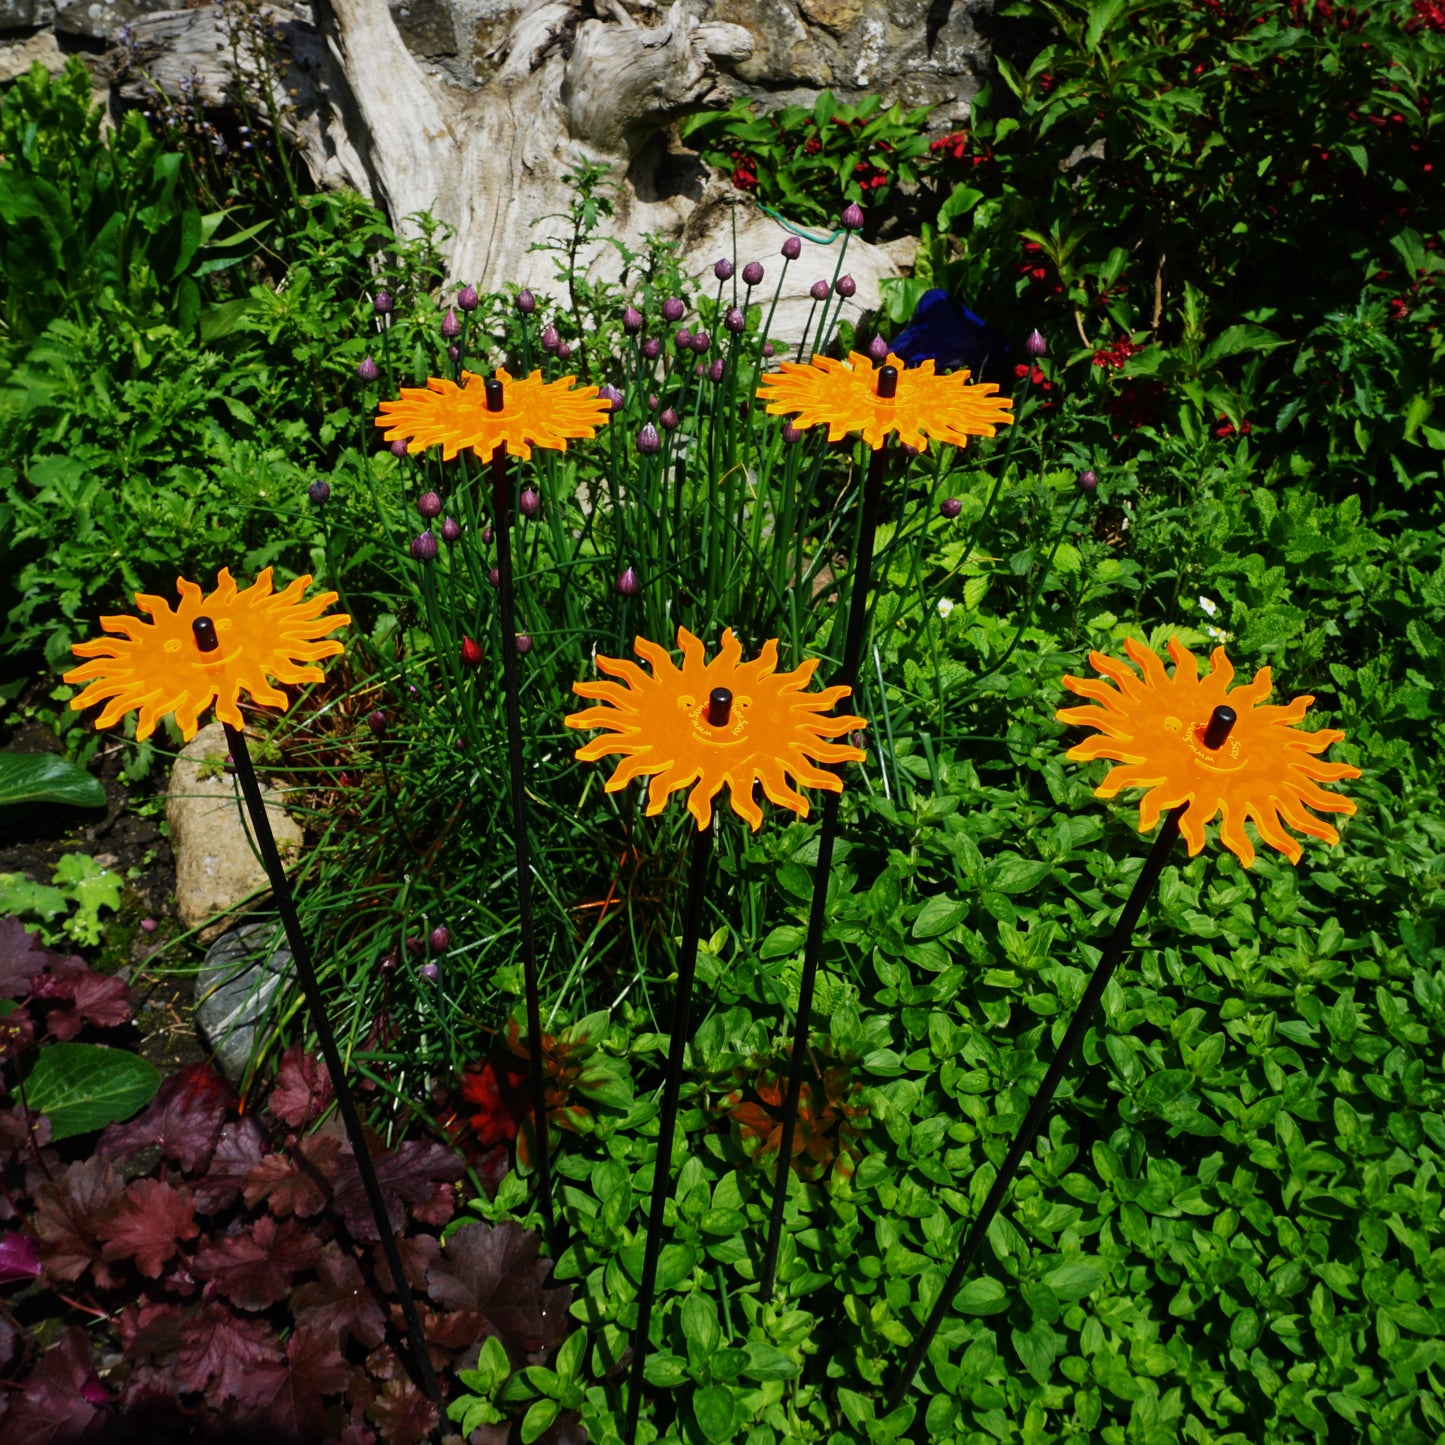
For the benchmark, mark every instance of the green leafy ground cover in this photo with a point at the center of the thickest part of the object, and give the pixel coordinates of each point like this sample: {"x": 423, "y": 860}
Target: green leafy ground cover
{"x": 1231, "y": 1231}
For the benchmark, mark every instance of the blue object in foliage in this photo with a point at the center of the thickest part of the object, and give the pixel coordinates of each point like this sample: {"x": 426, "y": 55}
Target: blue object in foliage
{"x": 953, "y": 336}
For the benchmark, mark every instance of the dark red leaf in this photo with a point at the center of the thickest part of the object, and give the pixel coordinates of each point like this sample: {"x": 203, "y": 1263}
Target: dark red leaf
{"x": 150, "y": 1329}
{"x": 402, "y": 1414}
{"x": 60, "y": 1399}
{"x": 254, "y": 1268}
{"x": 21, "y": 958}
{"x": 288, "y": 1398}
{"x": 301, "y": 1183}
{"x": 220, "y": 1350}
{"x": 149, "y": 1223}
{"x": 184, "y": 1120}
{"x": 408, "y": 1175}
{"x": 356, "y": 1435}
{"x": 70, "y": 1214}
{"x": 240, "y": 1147}
{"x": 339, "y": 1301}
{"x": 495, "y": 1271}
{"x": 418, "y": 1253}
{"x": 98, "y": 1000}
{"x": 18, "y": 1259}
{"x": 303, "y": 1088}
{"x": 16, "y": 1126}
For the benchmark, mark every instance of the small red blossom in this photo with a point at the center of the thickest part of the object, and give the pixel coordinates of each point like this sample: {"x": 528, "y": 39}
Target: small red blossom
{"x": 1117, "y": 355}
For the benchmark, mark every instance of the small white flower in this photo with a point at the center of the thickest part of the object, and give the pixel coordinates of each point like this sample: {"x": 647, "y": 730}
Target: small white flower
{"x": 1212, "y": 608}
{"x": 1219, "y": 634}
{"x": 945, "y": 606}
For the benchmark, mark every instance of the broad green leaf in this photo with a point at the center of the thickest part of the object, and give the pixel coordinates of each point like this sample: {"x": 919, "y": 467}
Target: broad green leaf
{"x": 713, "y": 1406}
{"x": 81, "y": 1087}
{"x": 938, "y": 915}
{"x": 981, "y": 1296}
{"x": 45, "y": 778}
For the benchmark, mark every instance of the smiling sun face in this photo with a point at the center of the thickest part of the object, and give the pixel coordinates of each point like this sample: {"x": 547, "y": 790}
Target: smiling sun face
{"x": 1265, "y": 772}
{"x": 661, "y": 725}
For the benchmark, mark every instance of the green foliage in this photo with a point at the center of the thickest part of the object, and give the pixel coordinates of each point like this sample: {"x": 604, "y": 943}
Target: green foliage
{"x": 83, "y": 1087}
{"x": 79, "y": 890}
{"x": 44, "y": 778}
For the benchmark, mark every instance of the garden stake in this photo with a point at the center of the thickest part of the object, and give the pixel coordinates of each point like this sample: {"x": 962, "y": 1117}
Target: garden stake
{"x": 204, "y": 630}
{"x": 719, "y": 707}
{"x": 501, "y": 521}
{"x": 817, "y": 915}
{"x": 1213, "y": 737}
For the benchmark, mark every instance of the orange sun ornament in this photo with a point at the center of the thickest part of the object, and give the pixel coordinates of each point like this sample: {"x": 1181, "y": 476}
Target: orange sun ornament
{"x": 158, "y": 667}
{"x": 843, "y": 395}
{"x": 534, "y": 412}
{"x": 1267, "y": 771}
{"x": 660, "y": 725}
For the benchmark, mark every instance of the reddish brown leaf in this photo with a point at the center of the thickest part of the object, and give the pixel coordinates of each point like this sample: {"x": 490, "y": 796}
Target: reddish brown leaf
{"x": 402, "y": 1414}
{"x": 220, "y": 1349}
{"x": 303, "y": 1088}
{"x": 184, "y": 1120}
{"x": 70, "y": 1213}
{"x": 254, "y": 1268}
{"x": 21, "y": 958}
{"x": 300, "y": 1183}
{"x": 340, "y": 1301}
{"x": 59, "y": 1402}
{"x": 418, "y": 1253}
{"x": 150, "y": 1329}
{"x": 288, "y": 1398}
{"x": 240, "y": 1147}
{"x": 149, "y": 1223}
{"x": 99, "y": 1000}
{"x": 408, "y": 1175}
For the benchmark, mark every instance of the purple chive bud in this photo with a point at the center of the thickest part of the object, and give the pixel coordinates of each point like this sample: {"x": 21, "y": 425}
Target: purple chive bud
{"x": 148, "y": 925}
{"x": 530, "y": 502}
{"x": 668, "y": 420}
{"x": 651, "y": 348}
{"x": 441, "y": 938}
{"x": 429, "y": 505}
{"x": 450, "y": 325}
{"x": 653, "y": 402}
{"x": 368, "y": 370}
{"x": 950, "y": 507}
{"x": 384, "y": 304}
{"x": 723, "y": 269}
{"x": 611, "y": 396}
{"x": 878, "y": 349}
{"x": 819, "y": 290}
{"x": 563, "y": 351}
{"x": 716, "y": 370}
{"x": 430, "y": 972}
{"x": 424, "y": 547}
{"x": 526, "y": 302}
{"x": 673, "y": 310}
{"x": 852, "y": 217}
{"x": 487, "y": 535}
{"x": 792, "y": 248}
{"x": 1087, "y": 481}
{"x": 629, "y": 584}
{"x": 767, "y": 348}
{"x": 398, "y": 447}
{"x": 845, "y": 286}
{"x": 631, "y": 320}
{"x": 753, "y": 273}
{"x": 700, "y": 342}
{"x": 735, "y": 321}
{"x": 550, "y": 339}
{"x": 494, "y": 577}
{"x": 524, "y": 643}
{"x": 791, "y": 434}
{"x": 683, "y": 338}
{"x": 455, "y": 352}
{"x": 648, "y": 441}
{"x": 451, "y": 529}
{"x": 1035, "y": 345}
{"x": 319, "y": 492}
{"x": 467, "y": 298}
{"x": 376, "y": 721}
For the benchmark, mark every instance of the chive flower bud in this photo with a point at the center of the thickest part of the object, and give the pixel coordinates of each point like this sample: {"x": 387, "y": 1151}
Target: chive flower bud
{"x": 700, "y": 342}
{"x": 673, "y": 310}
{"x": 1087, "y": 481}
{"x": 950, "y": 507}
{"x": 845, "y": 286}
{"x": 723, "y": 270}
{"x": 716, "y": 370}
{"x": 376, "y": 721}
{"x": 648, "y": 441}
{"x": 398, "y": 447}
{"x": 495, "y": 577}
{"x": 454, "y": 352}
{"x": 682, "y": 338}
{"x": 735, "y": 321}
{"x": 467, "y": 298}
{"x": 450, "y": 325}
{"x": 878, "y": 349}
{"x": 852, "y": 217}
{"x": 384, "y": 303}
{"x": 792, "y": 248}
{"x": 319, "y": 491}
{"x": 526, "y": 302}
{"x": 441, "y": 938}
{"x": 768, "y": 348}
{"x": 611, "y": 396}
{"x": 487, "y": 535}
{"x": 424, "y": 547}
{"x": 451, "y": 529}
{"x": 668, "y": 420}
{"x": 368, "y": 371}
{"x": 530, "y": 502}
{"x": 471, "y": 652}
{"x": 753, "y": 273}
{"x": 563, "y": 351}
{"x": 430, "y": 972}
{"x": 524, "y": 643}
{"x": 1035, "y": 344}
{"x": 651, "y": 348}
{"x": 550, "y": 339}
{"x": 818, "y": 291}
{"x": 791, "y": 435}
{"x": 629, "y": 584}
{"x": 429, "y": 505}
{"x": 631, "y": 320}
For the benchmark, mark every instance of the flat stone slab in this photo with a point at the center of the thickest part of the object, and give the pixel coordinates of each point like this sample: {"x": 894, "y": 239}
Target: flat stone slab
{"x": 235, "y": 990}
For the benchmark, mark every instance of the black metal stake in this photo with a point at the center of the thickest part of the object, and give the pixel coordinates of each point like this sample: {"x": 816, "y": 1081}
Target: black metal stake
{"x": 506, "y": 598}
{"x": 1212, "y": 736}
{"x": 718, "y": 712}
{"x": 204, "y": 630}
{"x": 817, "y": 915}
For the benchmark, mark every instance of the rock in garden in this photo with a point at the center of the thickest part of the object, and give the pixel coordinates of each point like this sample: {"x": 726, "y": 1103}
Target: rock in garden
{"x": 217, "y": 864}
{"x": 235, "y": 989}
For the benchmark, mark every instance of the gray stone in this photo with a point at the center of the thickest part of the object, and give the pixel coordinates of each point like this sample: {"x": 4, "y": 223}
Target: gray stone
{"x": 25, "y": 14}
{"x": 17, "y": 55}
{"x": 234, "y": 992}
{"x": 217, "y": 865}
{"x": 97, "y": 19}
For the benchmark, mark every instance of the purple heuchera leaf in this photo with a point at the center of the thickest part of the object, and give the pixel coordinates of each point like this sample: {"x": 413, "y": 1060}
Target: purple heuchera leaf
{"x": 409, "y": 1175}
{"x": 62, "y": 1396}
{"x": 184, "y": 1120}
{"x": 303, "y": 1088}
{"x": 18, "y": 1259}
{"x": 21, "y": 958}
{"x": 241, "y": 1147}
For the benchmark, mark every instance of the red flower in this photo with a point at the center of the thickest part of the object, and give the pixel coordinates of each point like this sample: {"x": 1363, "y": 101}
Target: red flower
{"x": 493, "y": 1088}
{"x": 1115, "y": 356}
{"x": 812, "y": 146}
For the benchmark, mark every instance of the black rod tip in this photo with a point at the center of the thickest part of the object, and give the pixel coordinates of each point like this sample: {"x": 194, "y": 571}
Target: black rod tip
{"x": 887, "y": 382}
{"x": 494, "y": 394}
{"x": 205, "y": 634}
{"x": 719, "y": 707}
{"x": 1221, "y": 720}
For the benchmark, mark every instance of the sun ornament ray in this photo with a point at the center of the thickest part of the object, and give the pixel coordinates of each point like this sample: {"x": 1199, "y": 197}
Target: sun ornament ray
{"x": 1268, "y": 772}
{"x": 156, "y": 666}
{"x": 545, "y": 414}
{"x": 845, "y": 397}
{"x": 660, "y": 725}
